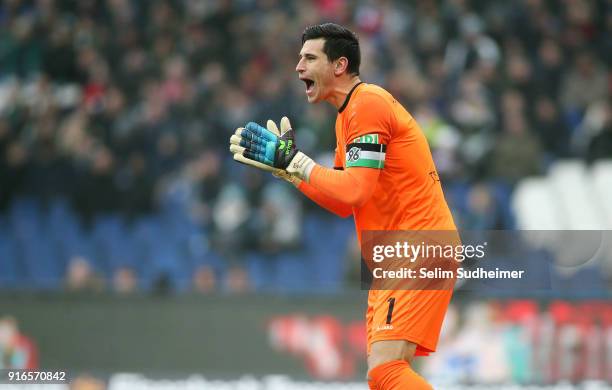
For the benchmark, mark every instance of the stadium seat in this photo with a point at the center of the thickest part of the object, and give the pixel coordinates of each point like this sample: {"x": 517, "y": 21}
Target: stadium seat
{"x": 502, "y": 193}
{"x": 25, "y": 207}
{"x": 601, "y": 174}
{"x": 570, "y": 197}
{"x": 109, "y": 236}
{"x": 576, "y": 195}
{"x": 293, "y": 274}
{"x": 328, "y": 271}
{"x": 43, "y": 269}
{"x": 25, "y": 218}
{"x": 167, "y": 258}
{"x": 326, "y": 241}
{"x": 535, "y": 206}
{"x": 64, "y": 229}
{"x": 260, "y": 269}
{"x": 9, "y": 267}
{"x": 160, "y": 253}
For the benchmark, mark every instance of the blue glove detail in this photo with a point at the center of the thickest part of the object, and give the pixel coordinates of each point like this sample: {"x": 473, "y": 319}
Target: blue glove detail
{"x": 271, "y": 150}
{"x": 261, "y": 132}
{"x": 260, "y": 144}
{"x": 263, "y": 146}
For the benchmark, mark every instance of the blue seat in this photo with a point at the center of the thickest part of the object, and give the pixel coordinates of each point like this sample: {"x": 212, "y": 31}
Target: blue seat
{"x": 160, "y": 251}
{"x": 328, "y": 271}
{"x": 25, "y": 217}
{"x": 78, "y": 244}
{"x": 318, "y": 233}
{"x": 59, "y": 209}
{"x": 261, "y": 271}
{"x": 198, "y": 247}
{"x": 66, "y": 232}
{"x": 165, "y": 253}
{"x": 342, "y": 231}
{"x": 4, "y": 223}
{"x": 42, "y": 265}
{"x": 293, "y": 274}
{"x": 502, "y": 193}
{"x": 109, "y": 225}
{"x": 9, "y": 266}
{"x": 326, "y": 242}
{"x": 456, "y": 193}
{"x": 109, "y": 235}
{"x": 25, "y": 206}
{"x": 26, "y": 226}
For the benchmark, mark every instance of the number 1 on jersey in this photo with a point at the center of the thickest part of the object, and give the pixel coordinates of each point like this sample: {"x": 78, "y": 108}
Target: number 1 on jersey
{"x": 390, "y": 311}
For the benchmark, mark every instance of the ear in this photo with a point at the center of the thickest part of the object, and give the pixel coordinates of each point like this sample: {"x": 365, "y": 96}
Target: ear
{"x": 340, "y": 66}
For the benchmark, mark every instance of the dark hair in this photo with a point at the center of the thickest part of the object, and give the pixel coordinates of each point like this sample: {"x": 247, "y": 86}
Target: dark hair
{"x": 339, "y": 42}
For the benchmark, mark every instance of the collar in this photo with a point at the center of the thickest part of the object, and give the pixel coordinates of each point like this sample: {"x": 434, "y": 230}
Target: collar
{"x": 348, "y": 97}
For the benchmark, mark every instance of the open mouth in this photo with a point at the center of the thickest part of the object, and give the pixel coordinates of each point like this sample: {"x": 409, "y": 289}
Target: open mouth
{"x": 309, "y": 85}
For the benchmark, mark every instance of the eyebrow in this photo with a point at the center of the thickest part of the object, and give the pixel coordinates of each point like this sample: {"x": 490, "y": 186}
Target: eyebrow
{"x": 307, "y": 55}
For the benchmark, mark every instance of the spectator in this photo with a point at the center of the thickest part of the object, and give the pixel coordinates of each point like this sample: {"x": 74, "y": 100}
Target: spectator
{"x": 278, "y": 220}
{"x": 549, "y": 68}
{"x": 237, "y": 281}
{"x": 204, "y": 279}
{"x": 584, "y": 83}
{"x": 81, "y": 277}
{"x": 125, "y": 281}
{"x": 516, "y": 151}
{"x": 515, "y": 155}
{"x": 481, "y": 213}
{"x": 17, "y": 351}
{"x": 553, "y": 134}
{"x": 87, "y": 382}
{"x": 97, "y": 192}
{"x": 231, "y": 217}
{"x": 598, "y": 128}
{"x": 472, "y": 48}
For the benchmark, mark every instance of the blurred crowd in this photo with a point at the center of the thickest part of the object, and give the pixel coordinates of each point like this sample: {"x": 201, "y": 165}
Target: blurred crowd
{"x": 523, "y": 341}
{"x": 125, "y": 108}
{"x": 482, "y": 342}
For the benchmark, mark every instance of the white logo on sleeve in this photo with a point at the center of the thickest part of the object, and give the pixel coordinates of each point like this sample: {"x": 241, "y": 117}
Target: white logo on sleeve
{"x": 353, "y": 154}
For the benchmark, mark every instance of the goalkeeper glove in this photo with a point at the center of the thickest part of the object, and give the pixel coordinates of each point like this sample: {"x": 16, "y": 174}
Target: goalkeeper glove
{"x": 269, "y": 148}
{"x": 238, "y": 152}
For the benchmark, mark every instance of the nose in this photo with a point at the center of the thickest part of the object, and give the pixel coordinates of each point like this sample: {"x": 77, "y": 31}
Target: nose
{"x": 300, "y": 66}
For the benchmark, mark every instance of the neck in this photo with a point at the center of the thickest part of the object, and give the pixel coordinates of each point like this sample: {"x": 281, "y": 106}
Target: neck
{"x": 338, "y": 93}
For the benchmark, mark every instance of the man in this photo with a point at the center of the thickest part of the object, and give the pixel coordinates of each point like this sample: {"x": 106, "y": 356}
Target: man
{"x": 384, "y": 176}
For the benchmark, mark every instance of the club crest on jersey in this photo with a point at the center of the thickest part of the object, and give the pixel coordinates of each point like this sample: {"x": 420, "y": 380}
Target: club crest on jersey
{"x": 353, "y": 154}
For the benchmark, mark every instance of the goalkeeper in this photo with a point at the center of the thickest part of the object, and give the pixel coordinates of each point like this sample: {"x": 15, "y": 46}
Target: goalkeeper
{"x": 383, "y": 175}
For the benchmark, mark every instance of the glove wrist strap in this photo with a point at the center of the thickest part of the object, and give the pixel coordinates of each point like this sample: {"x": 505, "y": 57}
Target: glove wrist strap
{"x": 301, "y": 166}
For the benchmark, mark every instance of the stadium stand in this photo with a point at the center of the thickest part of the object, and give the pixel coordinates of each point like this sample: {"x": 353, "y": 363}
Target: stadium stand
{"x": 114, "y": 119}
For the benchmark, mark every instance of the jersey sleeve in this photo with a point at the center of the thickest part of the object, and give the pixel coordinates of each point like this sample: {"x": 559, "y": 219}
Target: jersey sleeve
{"x": 368, "y": 132}
{"x": 352, "y": 187}
{"x": 338, "y": 161}
{"x": 329, "y": 203}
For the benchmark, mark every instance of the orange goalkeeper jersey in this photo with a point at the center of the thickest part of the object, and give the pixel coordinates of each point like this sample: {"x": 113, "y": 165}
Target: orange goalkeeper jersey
{"x": 373, "y": 130}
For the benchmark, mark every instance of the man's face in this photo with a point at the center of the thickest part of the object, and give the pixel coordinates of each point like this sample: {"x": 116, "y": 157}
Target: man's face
{"x": 315, "y": 69}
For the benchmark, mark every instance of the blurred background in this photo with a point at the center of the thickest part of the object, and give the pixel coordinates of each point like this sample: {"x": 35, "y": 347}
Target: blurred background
{"x": 131, "y": 242}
